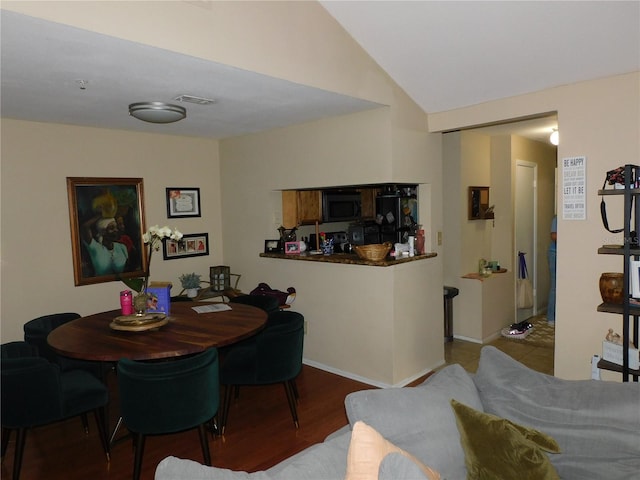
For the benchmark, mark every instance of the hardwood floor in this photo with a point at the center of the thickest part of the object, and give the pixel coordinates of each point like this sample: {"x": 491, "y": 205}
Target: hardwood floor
{"x": 259, "y": 434}
{"x": 260, "y": 431}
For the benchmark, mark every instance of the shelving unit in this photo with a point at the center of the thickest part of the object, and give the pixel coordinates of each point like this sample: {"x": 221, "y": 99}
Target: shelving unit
{"x": 630, "y": 313}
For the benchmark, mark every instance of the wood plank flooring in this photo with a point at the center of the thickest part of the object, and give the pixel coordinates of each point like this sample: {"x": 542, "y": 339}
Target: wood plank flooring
{"x": 260, "y": 431}
{"x": 259, "y": 434}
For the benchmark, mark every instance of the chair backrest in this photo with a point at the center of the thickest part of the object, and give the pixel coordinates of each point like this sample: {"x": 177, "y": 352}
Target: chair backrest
{"x": 18, "y": 350}
{"x": 37, "y": 330}
{"x": 279, "y": 348}
{"x": 169, "y": 396}
{"x": 266, "y": 303}
{"x": 30, "y": 392}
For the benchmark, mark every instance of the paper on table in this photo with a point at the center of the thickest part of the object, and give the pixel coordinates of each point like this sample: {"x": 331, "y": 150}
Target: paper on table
{"x": 212, "y": 307}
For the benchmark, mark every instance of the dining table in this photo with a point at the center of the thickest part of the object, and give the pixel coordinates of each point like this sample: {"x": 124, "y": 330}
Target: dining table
{"x": 95, "y": 337}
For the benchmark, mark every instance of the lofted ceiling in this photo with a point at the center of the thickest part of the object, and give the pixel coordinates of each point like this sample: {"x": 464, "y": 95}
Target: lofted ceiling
{"x": 445, "y": 55}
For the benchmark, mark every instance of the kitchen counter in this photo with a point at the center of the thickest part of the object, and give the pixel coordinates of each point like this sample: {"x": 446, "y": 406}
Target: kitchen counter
{"x": 347, "y": 258}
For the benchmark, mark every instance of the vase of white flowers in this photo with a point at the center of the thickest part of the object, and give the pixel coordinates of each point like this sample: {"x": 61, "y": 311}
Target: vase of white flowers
{"x": 153, "y": 239}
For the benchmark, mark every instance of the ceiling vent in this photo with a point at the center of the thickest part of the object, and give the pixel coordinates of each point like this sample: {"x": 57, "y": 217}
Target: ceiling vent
{"x": 194, "y": 99}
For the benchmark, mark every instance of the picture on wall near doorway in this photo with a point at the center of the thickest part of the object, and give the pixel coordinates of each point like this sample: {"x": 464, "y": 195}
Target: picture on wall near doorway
{"x": 191, "y": 245}
{"x": 107, "y": 222}
{"x": 183, "y": 202}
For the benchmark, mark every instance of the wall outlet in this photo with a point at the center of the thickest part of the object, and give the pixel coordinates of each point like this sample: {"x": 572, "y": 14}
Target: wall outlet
{"x": 305, "y": 327}
{"x": 439, "y": 238}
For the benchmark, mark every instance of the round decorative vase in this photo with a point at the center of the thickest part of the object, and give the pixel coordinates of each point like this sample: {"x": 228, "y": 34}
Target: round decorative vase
{"x": 612, "y": 287}
{"x": 192, "y": 292}
{"x": 140, "y": 304}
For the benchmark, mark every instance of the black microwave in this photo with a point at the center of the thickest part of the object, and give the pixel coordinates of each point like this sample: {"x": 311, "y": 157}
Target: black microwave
{"x": 341, "y": 206}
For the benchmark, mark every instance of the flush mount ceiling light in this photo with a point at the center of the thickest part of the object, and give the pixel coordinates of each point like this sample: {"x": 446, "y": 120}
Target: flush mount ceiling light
{"x": 157, "y": 112}
{"x": 554, "y": 138}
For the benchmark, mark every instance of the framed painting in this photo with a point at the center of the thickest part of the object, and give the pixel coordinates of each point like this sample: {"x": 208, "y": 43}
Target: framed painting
{"x": 107, "y": 222}
{"x": 191, "y": 245}
{"x": 183, "y": 202}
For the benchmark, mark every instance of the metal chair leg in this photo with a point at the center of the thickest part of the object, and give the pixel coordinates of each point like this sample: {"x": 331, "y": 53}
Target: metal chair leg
{"x": 204, "y": 443}
{"x": 292, "y": 402}
{"x": 139, "y": 452}
{"x": 226, "y": 404}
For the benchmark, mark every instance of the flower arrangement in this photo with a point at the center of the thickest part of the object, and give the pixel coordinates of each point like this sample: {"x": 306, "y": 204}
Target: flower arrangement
{"x": 152, "y": 239}
{"x": 190, "y": 280}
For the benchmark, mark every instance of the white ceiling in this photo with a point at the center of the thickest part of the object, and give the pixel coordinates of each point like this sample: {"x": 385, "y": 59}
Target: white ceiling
{"x": 445, "y": 55}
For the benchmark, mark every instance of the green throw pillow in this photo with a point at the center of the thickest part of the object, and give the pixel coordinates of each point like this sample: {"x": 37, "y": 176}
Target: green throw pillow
{"x": 496, "y": 448}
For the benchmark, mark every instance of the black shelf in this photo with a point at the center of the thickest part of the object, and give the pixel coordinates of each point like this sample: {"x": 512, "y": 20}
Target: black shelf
{"x": 617, "y": 250}
{"x": 614, "y": 367}
{"x": 629, "y": 311}
{"x": 618, "y": 308}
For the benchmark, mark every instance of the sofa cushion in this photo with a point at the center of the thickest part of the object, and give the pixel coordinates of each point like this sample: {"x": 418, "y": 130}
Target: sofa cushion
{"x": 596, "y": 423}
{"x": 173, "y": 468}
{"x": 498, "y": 448}
{"x": 420, "y": 419}
{"x": 396, "y": 466}
{"x": 367, "y": 450}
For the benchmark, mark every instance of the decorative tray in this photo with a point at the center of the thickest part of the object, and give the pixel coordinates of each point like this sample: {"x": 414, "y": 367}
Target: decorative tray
{"x": 135, "y": 323}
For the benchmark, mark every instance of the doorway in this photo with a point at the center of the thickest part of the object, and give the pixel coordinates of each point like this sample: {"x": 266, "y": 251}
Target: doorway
{"x": 526, "y": 219}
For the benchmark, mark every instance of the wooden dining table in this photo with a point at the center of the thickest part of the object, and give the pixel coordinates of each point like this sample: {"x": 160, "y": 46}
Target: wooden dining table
{"x": 185, "y": 333}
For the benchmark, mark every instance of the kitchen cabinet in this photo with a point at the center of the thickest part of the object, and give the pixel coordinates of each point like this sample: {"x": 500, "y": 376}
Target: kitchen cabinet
{"x": 628, "y": 251}
{"x": 301, "y": 207}
{"x": 368, "y": 198}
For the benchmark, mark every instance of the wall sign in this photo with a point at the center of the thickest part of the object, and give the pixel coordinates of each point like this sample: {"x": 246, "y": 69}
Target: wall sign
{"x": 574, "y": 178}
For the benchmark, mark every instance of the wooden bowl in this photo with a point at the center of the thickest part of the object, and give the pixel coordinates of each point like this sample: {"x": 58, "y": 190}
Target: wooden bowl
{"x": 374, "y": 252}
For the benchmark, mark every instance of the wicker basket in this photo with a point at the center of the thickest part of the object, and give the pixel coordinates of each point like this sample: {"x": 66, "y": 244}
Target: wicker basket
{"x": 373, "y": 252}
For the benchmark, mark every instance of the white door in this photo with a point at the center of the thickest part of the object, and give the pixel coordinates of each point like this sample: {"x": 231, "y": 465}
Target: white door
{"x": 525, "y": 226}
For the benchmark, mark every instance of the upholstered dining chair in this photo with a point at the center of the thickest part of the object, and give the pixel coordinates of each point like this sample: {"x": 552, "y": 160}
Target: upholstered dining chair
{"x": 158, "y": 398}
{"x": 36, "y": 332}
{"x": 275, "y": 356}
{"x": 35, "y": 392}
{"x": 265, "y": 302}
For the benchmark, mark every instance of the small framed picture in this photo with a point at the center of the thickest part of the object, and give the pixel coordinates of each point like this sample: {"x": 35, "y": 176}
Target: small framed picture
{"x": 272, "y": 246}
{"x": 292, "y": 248}
{"x": 183, "y": 202}
{"x": 192, "y": 245}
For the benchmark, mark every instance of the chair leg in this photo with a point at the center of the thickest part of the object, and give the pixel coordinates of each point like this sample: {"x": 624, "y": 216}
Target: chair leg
{"x": 204, "y": 443}
{"x": 101, "y": 420}
{"x": 294, "y": 386}
{"x": 138, "y": 442}
{"x": 6, "y": 434}
{"x": 85, "y": 423}
{"x": 226, "y": 404}
{"x": 21, "y": 440}
{"x": 292, "y": 401}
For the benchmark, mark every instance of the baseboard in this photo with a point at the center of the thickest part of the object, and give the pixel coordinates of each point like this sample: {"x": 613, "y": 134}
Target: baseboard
{"x": 368, "y": 381}
{"x": 467, "y": 339}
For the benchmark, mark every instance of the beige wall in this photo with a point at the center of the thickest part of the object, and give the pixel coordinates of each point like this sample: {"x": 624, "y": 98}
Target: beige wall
{"x": 37, "y": 271}
{"x": 599, "y": 119}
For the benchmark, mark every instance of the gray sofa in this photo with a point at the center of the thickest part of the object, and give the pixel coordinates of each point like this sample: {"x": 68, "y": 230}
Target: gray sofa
{"x": 595, "y": 423}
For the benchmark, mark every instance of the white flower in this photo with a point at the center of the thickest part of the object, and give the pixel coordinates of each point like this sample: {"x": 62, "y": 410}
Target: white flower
{"x": 176, "y": 235}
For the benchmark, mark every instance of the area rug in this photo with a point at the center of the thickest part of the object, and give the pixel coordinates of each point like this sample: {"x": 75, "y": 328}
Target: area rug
{"x": 541, "y": 335}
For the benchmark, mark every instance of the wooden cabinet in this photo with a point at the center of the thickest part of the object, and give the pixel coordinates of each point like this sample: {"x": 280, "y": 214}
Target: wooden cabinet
{"x": 368, "y": 198}
{"x": 301, "y": 207}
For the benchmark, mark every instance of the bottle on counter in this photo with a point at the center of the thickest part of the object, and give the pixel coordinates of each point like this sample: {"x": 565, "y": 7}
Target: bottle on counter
{"x": 420, "y": 242}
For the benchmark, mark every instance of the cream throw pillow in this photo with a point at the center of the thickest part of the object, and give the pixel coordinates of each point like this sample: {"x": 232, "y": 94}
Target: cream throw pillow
{"x": 367, "y": 450}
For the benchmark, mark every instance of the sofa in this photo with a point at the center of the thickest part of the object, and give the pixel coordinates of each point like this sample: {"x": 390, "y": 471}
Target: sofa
{"x": 521, "y": 417}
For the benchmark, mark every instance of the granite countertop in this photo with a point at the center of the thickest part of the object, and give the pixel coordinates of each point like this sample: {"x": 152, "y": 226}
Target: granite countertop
{"x": 347, "y": 258}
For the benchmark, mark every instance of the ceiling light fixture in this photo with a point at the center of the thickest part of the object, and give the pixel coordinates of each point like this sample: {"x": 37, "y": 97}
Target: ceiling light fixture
{"x": 554, "y": 138}
{"x": 157, "y": 112}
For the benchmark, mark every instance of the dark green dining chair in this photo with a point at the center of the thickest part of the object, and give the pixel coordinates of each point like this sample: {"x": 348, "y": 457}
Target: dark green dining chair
{"x": 275, "y": 356}
{"x": 265, "y": 302}
{"x": 35, "y": 392}
{"x": 158, "y": 398}
{"x": 36, "y": 332}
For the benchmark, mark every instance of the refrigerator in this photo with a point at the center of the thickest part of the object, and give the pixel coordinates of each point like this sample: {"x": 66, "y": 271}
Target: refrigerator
{"x": 397, "y": 216}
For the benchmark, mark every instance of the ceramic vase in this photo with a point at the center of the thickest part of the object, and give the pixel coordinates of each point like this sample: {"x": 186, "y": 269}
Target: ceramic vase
{"x": 612, "y": 287}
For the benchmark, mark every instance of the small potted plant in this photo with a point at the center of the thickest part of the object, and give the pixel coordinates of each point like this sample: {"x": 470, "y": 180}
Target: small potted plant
{"x": 191, "y": 283}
